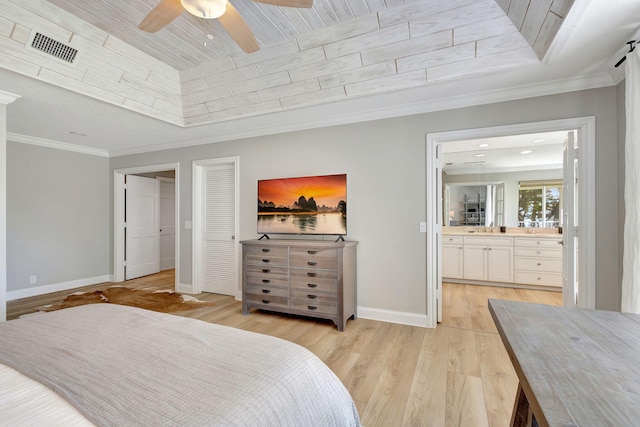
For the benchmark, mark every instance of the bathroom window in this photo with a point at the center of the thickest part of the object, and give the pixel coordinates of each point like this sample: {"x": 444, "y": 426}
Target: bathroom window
{"x": 540, "y": 204}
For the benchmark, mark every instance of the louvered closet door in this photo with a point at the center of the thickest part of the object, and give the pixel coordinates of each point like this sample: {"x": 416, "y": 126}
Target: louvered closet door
{"x": 219, "y": 273}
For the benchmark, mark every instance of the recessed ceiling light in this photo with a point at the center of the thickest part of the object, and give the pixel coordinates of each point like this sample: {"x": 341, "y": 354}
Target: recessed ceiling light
{"x": 478, "y": 155}
{"x": 484, "y": 145}
{"x": 539, "y": 140}
{"x": 526, "y": 152}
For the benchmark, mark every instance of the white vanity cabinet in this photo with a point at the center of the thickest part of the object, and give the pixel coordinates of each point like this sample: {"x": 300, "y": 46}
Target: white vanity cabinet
{"x": 538, "y": 261}
{"x": 452, "y": 257}
{"x": 488, "y": 258}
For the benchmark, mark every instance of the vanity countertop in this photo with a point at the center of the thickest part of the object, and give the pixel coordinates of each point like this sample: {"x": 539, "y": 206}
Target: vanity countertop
{"x": 497, "y": 233}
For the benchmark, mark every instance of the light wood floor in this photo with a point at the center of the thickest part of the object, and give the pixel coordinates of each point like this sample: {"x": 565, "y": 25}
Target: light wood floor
{"x": 457, "y": 374}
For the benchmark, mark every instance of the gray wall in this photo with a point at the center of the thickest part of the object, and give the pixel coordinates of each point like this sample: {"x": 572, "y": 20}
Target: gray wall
{"x": 386, "y": 167}
{"x": 57, "y": 216}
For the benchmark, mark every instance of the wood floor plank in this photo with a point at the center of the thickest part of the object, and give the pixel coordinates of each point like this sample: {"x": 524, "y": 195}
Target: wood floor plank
{"x": 459, "y": 312}
{"x": 426, "y": 406}
{"x": 388, "y": 401}
{"x": 463, "y": 355}
{"x": 465, "y": 404}
{"x": 499, "y": 379}
{"x": 457, "y": 374}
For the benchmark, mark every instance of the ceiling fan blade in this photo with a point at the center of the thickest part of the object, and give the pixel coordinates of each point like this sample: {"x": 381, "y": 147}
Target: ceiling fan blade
{"x": 161, "y": 15}
{"x": 288, "y": 3}
{"x": 238, "y": 29}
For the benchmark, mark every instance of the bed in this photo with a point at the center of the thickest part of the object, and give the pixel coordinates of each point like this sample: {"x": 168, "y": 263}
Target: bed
{"x": 106, "y": 364}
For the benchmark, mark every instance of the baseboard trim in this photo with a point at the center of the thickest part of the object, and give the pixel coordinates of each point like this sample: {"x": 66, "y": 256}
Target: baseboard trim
{"x": 56, "y": 287}
{"x": 401, "y": 317}
{"x": 184, "y": 288}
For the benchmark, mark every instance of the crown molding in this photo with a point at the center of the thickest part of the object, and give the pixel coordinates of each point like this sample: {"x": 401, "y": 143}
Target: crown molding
{"x": 7, "y": 97}
{"x": 25, "y": 139}
{"x": 275, "y": 123}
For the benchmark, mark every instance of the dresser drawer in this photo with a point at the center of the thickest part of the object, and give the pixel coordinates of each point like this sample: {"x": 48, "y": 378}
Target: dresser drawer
{"x": 312, "y": 296}
{"x": 319, "y": 280}
{"x": 539, "y": 264}
{"x": 266, "y": 260}
{"x": 538, "y": 242}
{"x": 313, "y": 307}
{"x": 274, "y": 251}
{"x": 321, "y": 258}
{"x": 543, "y": 279}
{"x": 539, "y": 252}
{"x": 260, "y": 292}
{"x": 267, "y": 275}
{"x": 267, "y": 301}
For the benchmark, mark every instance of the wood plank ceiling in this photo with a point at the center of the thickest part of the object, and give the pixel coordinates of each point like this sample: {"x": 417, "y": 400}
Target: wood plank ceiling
{"x": 336, "y": 50}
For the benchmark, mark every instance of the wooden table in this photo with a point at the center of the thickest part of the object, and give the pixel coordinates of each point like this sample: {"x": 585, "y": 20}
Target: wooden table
{"x": 576, "y": 367}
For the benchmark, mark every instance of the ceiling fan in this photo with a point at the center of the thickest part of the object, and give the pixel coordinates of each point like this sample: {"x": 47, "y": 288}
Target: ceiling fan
{"x": 168, "y": 10}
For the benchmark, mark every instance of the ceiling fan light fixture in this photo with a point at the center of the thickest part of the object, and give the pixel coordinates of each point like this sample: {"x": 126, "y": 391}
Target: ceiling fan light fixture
{"x": 207, "y": 9}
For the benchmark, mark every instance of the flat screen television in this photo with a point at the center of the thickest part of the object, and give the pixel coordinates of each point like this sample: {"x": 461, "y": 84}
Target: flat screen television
{"x": 304, "y": 205}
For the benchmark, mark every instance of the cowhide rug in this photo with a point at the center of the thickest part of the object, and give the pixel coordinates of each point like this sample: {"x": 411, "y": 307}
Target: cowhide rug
{"x": 164, "y": 301}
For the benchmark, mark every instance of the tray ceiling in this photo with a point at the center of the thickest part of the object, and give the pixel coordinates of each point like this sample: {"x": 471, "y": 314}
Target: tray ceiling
{"x": 192, "y": 73}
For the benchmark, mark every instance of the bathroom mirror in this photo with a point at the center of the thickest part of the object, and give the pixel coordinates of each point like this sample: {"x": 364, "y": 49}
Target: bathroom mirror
{"x": 512, "y": 181}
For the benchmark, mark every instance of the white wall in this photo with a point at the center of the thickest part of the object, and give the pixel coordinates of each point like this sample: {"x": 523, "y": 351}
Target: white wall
{"x": 386, "y": 168}
{"x": 57, "y": 218}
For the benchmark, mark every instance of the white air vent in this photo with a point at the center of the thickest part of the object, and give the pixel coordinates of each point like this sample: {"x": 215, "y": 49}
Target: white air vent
{"x": 55, "y": 48}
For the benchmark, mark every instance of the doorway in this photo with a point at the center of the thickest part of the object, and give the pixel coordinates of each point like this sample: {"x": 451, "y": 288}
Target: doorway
{"x": 119, "y": 235}
{"x": 586, "y": 207}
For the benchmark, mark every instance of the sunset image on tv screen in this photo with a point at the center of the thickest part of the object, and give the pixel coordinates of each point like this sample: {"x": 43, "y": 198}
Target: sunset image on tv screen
{"x": 306, "y": 205}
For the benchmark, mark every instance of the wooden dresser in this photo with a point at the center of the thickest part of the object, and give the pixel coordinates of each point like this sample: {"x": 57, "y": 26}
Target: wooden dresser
{"x": 307, "y": 277}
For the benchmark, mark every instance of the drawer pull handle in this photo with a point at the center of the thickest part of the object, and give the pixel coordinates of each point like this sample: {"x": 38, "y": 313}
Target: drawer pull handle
{"x": 312, "y": 252}
{"x": 312, "y": 307}
{"x": 266, "y": 301}
{"x": 310, "y": 274}
{"x": 266, "y": 250}
{"x": 539, "y": 263}
{"x": 266, "y": 260}
{"x": 538, "y": 242}
{"x": 539, "y": 278}
{"x": 312, "y": 296}
{"x": 266, "y": 270}
{"x": 312, "y": 285}
{"x": 312, "y": 263}
{"x": 266, "y": 291}
{"x": 269, "y": 281}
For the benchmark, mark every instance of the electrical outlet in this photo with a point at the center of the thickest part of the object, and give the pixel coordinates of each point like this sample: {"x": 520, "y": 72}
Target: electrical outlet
{"x": 423, "y": 227}
{"x": 33, "y": 280}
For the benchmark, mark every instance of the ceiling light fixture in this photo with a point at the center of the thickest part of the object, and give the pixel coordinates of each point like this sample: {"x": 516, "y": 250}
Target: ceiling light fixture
{"x": 207, "y": 9}
{"x": 539, "y": 140}
{"x": 478, "y": 155}
{"x": 483, "y": 145}
{"x": 526, "y": 152}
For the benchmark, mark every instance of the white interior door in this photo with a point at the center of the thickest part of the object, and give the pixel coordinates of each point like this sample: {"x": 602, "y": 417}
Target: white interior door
{"x": 570, "y": 214}
{"x": 142, "y": 252}
{"x": 167, "y": 192}
{"x": 216, "y": 224}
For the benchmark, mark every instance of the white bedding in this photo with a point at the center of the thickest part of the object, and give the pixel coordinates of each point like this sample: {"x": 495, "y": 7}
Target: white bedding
{"x": 24, "y": 401}
{"x": 124, "y": 366}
